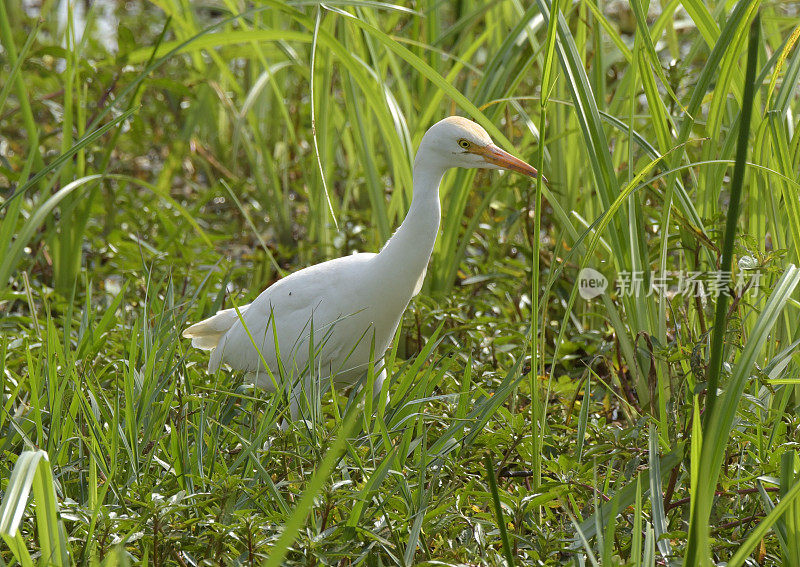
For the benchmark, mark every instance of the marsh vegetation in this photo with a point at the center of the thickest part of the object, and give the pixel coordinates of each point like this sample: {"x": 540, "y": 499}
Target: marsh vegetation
{"x": 162, "y": 160}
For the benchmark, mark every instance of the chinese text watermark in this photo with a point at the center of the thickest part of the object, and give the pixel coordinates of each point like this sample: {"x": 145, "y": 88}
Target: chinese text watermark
{"x": 592, "y": 283}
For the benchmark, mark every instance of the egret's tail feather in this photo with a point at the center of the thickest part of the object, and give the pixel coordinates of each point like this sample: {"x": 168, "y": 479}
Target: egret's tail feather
{"x": 207, "y": 333}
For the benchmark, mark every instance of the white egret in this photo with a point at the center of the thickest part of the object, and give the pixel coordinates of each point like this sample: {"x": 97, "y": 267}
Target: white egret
{"x": 351, "y": 305}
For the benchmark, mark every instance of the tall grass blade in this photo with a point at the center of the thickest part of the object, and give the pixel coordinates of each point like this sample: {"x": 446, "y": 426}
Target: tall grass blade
{"x": 789, "y": 500}
{"x": 14, "y": 252}
{"x": 717, "y": 428}
{"x": 714, "y": 430}
{"x": 498, "y": 508}
{"x": 32, "y": 472}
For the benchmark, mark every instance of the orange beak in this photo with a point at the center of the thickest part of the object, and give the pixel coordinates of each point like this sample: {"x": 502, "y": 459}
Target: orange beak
{"x": 500, "y": 158}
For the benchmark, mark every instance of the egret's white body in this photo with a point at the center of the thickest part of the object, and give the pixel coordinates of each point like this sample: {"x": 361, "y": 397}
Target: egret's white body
{"x": 351, "y": 305}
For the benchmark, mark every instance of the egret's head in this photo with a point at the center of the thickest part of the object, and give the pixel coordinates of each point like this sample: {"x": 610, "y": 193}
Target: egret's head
{"x": 458, "y": 142}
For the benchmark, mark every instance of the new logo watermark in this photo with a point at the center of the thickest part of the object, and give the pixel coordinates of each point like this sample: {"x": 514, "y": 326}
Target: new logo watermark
{"x": 591, "y": 283}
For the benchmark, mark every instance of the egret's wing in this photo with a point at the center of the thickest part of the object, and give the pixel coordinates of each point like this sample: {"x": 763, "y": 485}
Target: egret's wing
{"x": 317, "y": 292}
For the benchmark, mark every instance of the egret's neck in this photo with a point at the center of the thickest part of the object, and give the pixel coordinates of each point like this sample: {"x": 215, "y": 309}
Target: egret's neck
{"x": 407, "y": 252}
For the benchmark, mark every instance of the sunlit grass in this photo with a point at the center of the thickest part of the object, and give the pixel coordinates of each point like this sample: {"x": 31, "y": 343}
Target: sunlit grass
{"x": 154, "y": 182}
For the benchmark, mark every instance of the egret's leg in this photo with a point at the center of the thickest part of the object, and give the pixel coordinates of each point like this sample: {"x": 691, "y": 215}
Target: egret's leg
{"x": 302, "y": 403}
{"x": 285, "y": 423}
{"x": 294, "y": 403}
{"x": 376, "y": 388}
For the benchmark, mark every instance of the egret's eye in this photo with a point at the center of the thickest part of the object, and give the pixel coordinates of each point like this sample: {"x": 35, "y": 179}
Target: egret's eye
{"x": 464, "y": 143}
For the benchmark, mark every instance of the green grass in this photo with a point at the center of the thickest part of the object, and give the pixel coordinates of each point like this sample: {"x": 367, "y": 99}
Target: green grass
{"x": 218, "y": 148}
